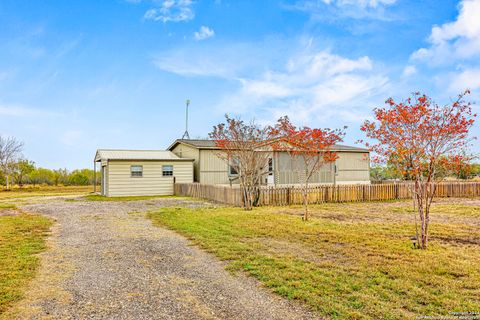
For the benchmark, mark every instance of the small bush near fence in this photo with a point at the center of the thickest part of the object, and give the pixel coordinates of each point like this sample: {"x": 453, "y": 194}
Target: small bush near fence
{"x": 292, "y": 195}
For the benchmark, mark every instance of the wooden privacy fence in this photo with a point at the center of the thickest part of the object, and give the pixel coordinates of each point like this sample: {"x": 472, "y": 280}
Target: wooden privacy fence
{"x": 218, "y": 193}
{"x": 290, "y": 195}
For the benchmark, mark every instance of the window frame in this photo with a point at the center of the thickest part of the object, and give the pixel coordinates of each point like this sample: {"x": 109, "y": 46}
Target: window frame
{"x": 232, "y": 172}
{"x": 167, "y": 171}
{"x": 134, "y": 173}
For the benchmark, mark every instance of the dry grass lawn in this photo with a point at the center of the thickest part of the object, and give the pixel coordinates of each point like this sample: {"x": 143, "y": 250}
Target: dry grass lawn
{"x": 351, "y": 261}
{"x": 22, "y": 236}
{"x": 29, "y": 191}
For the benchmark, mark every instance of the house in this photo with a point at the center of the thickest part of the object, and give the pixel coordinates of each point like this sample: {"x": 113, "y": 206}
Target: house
{"x": 141, "y": 172}
{"x": 351, "y": 167}
{"x": 154, "y": 172}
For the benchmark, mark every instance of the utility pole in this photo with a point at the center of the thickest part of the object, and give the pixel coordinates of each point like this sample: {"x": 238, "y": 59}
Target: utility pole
{"x": 186, "y": 135}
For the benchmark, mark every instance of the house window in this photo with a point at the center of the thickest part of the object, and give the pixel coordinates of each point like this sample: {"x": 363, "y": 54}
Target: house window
{"x": 167, "y": 170}
{"x": 232, "y": 171}
{"x": 270, "y": 166}
{"x": 136, "y": 171}
{"x": 232, "y": 167}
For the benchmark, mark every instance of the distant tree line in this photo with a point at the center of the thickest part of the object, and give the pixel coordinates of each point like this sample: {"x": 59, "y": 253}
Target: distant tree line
{"x": 15, "y": 169}
{"x": 24, "y": 172}
{"x": 465, "y": 171}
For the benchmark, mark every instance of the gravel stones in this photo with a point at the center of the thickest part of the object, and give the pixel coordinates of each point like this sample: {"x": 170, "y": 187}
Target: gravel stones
{"x": 107, "y": 261}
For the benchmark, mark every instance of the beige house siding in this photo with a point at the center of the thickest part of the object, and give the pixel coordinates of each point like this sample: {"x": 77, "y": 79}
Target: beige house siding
{"x": 286, "y": 170}
{"x": 106, "y": 179}
{"x": 325, "y": 175}
{"x": 184, "y": 151}
{"x": 213, "y": 169}
{"x": 121, "y": 183}
{"x": 353, "y": 167}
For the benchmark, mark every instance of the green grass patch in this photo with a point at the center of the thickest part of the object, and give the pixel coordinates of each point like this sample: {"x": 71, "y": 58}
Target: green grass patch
{"x": 21, "y": 238}
{"x": 351, "y": 261}
{"x": 7, "y": 206}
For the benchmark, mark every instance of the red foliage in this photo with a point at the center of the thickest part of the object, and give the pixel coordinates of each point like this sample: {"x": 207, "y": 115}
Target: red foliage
{"x": 423, "y": 141}
{"x": 415, "y": 134}
{"x": 238, "y": 143}
{"x": 305, "y": 140}
{"x": 312, "y": 145}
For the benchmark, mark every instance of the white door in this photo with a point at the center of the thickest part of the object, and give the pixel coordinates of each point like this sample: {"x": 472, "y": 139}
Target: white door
{"x": 271, "y": 173}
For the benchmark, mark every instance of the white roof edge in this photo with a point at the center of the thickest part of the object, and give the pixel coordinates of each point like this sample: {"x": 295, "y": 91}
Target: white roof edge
{"x": 142, "y": 159}
{"x": 125, "y": 154}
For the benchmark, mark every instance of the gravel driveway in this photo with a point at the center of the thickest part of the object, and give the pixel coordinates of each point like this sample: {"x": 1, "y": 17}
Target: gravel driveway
{"x": 107, "y": 261}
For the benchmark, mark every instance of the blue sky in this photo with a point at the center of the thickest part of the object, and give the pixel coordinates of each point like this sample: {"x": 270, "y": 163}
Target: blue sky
{"x": 80, "y": 75}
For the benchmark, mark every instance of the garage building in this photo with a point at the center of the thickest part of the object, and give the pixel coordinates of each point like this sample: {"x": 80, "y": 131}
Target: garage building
{"x": 141, "y": 172}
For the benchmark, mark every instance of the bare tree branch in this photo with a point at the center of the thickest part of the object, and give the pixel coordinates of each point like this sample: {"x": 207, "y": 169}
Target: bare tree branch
{"x": 10, "y": 151}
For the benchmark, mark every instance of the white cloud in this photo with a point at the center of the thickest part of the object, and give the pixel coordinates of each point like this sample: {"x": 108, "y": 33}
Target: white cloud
{"x": 171, "y": 11}
{"x": 265, "y": 88}
{"x": 326, "y": 64}
{"x": 409, "y": 70}
{"x": 457, "y": 40}
{"x": 203, "y": 33}
{"x": 309, "y": 84}
{"x": 230, "y": 60}
{"x": 330, "y": 10}
{"x": 467, "y": 79}
{"x": 361, "y": 3}
{"x": 312, "y": 87}
{"x": 193, "y": 63}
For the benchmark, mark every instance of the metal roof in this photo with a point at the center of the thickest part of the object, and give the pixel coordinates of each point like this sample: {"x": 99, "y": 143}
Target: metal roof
{"x": 342, "y": 147}
{"x": 115, "y": 154}
{"x": 197, "y": 143}
{"x": 210, "y": 144}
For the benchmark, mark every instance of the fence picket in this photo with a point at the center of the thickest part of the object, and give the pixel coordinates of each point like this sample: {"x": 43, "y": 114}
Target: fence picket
{"x": 292, "y": 195}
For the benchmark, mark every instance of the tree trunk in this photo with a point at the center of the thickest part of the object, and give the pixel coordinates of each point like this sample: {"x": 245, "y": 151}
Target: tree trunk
{"x": 305, "y": 201}
{"x": 429, "y": 194}
{"x": 246, "y": 198}
{"x": 423, "y": 191}
{"x": 8, "y": 182}
{"x": 423, "y": 236}
{"x": 256, "y": 196}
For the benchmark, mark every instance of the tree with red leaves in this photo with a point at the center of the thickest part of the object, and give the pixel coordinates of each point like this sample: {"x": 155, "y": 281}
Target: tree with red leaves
{"x": 240, "y": 146}
{"x": 417, "y": 137}
{"x": 309, "y": 148}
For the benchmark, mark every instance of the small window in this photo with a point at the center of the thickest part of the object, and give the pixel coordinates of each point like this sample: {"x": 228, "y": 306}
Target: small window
{"x": 270, "y": 166}
{"x": 136, "y": 171}
{"x": 232, "y": 168}
{"x": 167, "y": 170}
{"x": 232, "y": 171}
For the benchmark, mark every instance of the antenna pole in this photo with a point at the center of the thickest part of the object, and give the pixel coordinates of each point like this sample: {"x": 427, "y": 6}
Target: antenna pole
{"x": 186, "y": 135}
